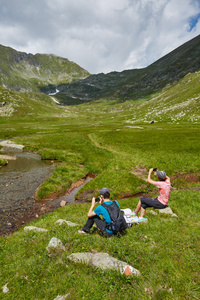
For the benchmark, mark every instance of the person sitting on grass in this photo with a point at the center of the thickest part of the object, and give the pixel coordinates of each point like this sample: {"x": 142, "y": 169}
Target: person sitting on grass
{"x": 164, "y": 187}
{"x": 107, "y": 208}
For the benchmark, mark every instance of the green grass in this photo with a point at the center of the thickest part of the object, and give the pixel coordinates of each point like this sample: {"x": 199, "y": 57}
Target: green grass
{"x": 165, "y": 250}
{"x": 2, "y": 162}
{"x": 112, "y": 140}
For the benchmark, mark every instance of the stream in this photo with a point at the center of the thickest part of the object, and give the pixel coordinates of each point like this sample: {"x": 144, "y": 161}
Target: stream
{"x": 19, "y": 180}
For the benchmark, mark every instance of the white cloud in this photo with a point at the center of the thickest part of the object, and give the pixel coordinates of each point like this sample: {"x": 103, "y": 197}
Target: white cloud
{"x": 100, "y": 35}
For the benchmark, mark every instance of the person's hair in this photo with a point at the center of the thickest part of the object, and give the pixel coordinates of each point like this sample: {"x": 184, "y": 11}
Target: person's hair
{"x": 106, "y": 195}
{"x": 162, "y": 179}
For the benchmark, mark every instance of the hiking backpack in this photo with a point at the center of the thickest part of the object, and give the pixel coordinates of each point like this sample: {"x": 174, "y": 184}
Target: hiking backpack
{"x": 118, "y": 222}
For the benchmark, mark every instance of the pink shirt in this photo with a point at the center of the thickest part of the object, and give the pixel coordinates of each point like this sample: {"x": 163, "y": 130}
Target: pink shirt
{"x": 164, "y": 191}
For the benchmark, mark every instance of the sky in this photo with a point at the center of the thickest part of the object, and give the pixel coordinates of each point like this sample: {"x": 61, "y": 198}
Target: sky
{"x": 100, "y": 35}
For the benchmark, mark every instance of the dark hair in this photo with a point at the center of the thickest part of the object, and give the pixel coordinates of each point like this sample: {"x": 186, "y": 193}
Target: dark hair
{"x": 106, "y": 195}
{"x": 162, "y": 179}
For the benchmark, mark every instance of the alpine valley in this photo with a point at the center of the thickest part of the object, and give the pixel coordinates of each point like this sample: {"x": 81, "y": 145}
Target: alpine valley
{"x": 113, "y": 127}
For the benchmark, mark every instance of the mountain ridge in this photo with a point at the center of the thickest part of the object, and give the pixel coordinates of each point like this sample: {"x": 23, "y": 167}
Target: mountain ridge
{"x": 48, "y": 73}
{"x": 20, "y": 71}
{"x": 135, "y": 83}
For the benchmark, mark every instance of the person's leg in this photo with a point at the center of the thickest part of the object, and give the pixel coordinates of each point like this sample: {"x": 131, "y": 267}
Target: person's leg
{"x": 142, "y": 212}
{"x": 98, "y": 221}
{"x": 88, "y": 224}
{"x": 140, "y": 208}
{"x": 100, "y": 224}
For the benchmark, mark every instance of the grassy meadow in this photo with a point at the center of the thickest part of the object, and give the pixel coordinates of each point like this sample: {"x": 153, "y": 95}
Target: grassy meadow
{"x": 116, "y": 142}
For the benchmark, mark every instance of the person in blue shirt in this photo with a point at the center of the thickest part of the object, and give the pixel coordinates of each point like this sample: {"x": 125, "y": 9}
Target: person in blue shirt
{"x": 94, "y": 214}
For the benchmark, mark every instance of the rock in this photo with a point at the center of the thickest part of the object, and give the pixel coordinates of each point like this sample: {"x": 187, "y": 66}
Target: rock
{"x": 28, "y": 228}
{"x": 62, "y": 203}
{"x": 11, "y": 145}
{"x": 61, "y": 221}
{"x": 62, "y": 297}
{"x": 5, "y": 289}
{"x": 104, "y": 261}
{"x": 168, "y": 211}
{"x": 8, "y": 157}
{"x": 55, "y": 244}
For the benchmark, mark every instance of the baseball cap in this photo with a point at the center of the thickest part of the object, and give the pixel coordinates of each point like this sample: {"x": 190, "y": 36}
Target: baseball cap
{"x": 161, "y": 174}
{"x": 104, "y": 190}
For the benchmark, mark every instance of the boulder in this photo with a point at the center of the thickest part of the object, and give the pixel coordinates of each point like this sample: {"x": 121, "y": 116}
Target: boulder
{"x": 55, "y": 244}
{"x": 28, "y": 228}
{"x": 168, "y": 211}
{"x": 104, "y": 261}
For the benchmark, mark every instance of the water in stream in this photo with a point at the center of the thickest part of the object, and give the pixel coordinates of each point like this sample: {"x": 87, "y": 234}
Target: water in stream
{"x": 18, "y": 183}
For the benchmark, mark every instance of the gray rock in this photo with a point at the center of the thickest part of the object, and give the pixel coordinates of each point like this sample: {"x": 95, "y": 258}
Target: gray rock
{"x": 104, "y": 261}
{"x": 8, "y": 157}
{"x": 62, "y": 203}
{"x": 168, "y": 211}
{"x": 10, "y": 144}
{"x": 55, "y": 244}
{"x": 5, "y": 288}
{"x": 33, "y": 228}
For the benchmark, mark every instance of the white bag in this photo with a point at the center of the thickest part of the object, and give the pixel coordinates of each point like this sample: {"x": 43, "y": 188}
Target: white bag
{"x": 130, "y": 217}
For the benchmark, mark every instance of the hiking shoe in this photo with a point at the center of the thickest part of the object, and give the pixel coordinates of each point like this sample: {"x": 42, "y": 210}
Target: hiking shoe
{"x": 135, "y": 220}
{"x": 107, "y": 234}
{"x": 82, "y": 232}
{"x": 141, "y": 219}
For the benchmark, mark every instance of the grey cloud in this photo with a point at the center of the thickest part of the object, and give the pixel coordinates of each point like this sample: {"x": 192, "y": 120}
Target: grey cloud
{"x": 100, "y": 35}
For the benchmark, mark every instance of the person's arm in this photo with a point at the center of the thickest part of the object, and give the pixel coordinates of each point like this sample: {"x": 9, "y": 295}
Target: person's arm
{"x": 91, "y": 212}
{"x": 149, "y": 178}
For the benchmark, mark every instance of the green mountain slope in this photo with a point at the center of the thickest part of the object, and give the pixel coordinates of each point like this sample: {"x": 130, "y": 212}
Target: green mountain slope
{"x": 134, "y": 84}
{"x": 20, "y": 71}
{"x": 179, "y": 103}
{"x": 20, "y": 105}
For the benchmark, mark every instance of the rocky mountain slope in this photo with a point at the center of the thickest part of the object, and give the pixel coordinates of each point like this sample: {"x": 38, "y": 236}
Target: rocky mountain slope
{"x": 21, "y": 72}
{"x": 137, "y": 83}
{"x": 49, "y": 74}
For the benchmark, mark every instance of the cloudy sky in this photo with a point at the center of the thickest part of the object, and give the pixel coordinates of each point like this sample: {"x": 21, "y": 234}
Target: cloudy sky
{"x": 100, "y": 35}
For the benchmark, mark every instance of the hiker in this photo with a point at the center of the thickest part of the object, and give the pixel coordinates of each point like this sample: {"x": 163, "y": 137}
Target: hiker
{"x": 109, "y": 210}
{"x": 159, "y": 202}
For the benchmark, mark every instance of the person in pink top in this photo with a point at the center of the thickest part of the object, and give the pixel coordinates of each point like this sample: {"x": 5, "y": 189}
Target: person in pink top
{"x": 164, "y": 187}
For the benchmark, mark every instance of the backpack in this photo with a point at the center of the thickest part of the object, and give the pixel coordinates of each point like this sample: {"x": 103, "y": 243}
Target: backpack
{"x": 118, "y": 222}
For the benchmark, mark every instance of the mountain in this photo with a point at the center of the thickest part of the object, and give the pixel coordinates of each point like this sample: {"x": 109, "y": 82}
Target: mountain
{"x": 28, "y": 105}
{"x": 136, "y": 83}
{"x": 47, "y": 74}
{"x": 21, "y": 72}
